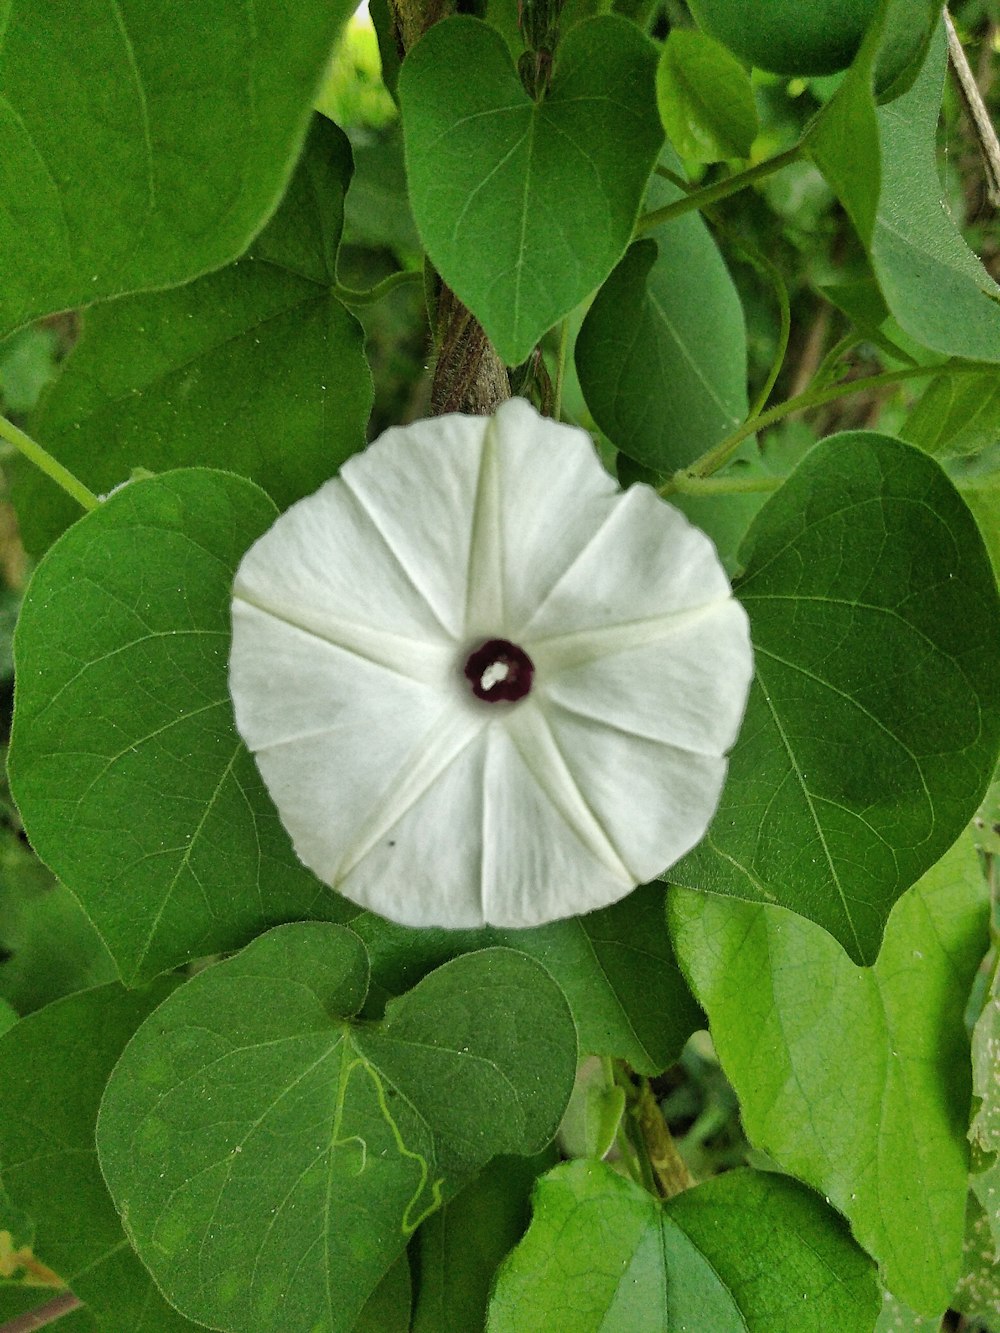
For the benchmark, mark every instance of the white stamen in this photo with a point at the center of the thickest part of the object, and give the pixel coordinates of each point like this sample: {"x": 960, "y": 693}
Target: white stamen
{"x": 494, "y": 674}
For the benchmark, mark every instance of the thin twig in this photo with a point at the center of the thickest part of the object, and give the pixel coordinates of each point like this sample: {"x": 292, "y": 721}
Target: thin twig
{"x": 986, "y": 135}
{"x": 43, "y": 1315}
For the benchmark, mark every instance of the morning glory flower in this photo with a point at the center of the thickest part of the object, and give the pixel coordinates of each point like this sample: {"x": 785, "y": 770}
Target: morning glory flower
{"x": 482, "y": 684}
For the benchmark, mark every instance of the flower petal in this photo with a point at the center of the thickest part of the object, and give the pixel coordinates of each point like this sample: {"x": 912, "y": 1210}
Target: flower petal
{"x": 545, "y": 854}
{"x": 317, "y": 566}
{"x": 645, "y": 562}
{"x": 418, "y": 487}
{"x": 546, "y": 495}
{"x": 421, "y": 864}
{"x": 655, "y": 799}
{"x": 687, "y": 687}
{"x": 330, "y": 731}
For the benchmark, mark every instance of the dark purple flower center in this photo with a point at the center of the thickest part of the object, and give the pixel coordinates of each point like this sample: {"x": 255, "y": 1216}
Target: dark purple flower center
{"x": 499, "y": 672}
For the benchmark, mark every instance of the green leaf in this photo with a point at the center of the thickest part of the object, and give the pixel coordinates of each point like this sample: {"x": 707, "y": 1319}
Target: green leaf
{"x": 936, "y": 288}
{"x": 741, "y": 1253}
{"x": 844, "y": 144}
{"x": 869, "y": 594}
{"x": 596, "y": 1108}
{"x": 377, "y": 210}
{"x": 132, "y": 783}
{"x": 895, "y": 1317}
{"x": 790, "y": 37}
{"x": 388, "y": 1308}
{"x": 985, "y": 1128}
{"x": 978, "y": 1293}
{"x": 53, "y": 1068}
{"x": 152, "y": 151}
{"x": 616, "y": 968}
{"x": 48, "y": 946}
{"x": 525, "y": 207}
{"x": 957, "y": 414}
{"x": 984, "y": 1186}
{"x": 978, "y": 480}
{"x": 217, "y": 371}
{"x": 864, "y": 1090}
{"x": 27, "y": 364}
{"x": 459, "y": 1248}
{"x": 338, "y": 1138}
{"x": 8, "y": 1016}
{"x": 705, "y": 98}
{"x": 662, "y": 354}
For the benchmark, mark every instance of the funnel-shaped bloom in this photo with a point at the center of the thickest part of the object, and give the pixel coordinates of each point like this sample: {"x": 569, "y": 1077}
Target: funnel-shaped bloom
{"x": 483, "y": 685}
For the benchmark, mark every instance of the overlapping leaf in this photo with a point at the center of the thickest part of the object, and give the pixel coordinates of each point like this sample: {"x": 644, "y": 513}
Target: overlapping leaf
{"x": 741, "y": 1253}
{"x": 271, "y": 1158}
{"x": 616, "y": 968}
{"x": 705, "y": 97}
{"x": 873, "y": 723}
{"x": 256, "y": 368}
{"x": 142, "y": 145}
{"x": 662, "y": 354}
{"x": 124, "y": 760}
{"x": 48, "y": 1162}
{"x": 855, "y": 1079}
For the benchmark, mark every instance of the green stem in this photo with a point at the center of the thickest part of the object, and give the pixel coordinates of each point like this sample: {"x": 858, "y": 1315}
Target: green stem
{"x": 684, "y": 484}
{"x": 352, "y": 297}
{"x": 715, "y": 458}
{"x": 560, "y": 369}
{"x": 838, "y": 350}
{"x": 721, "y": 190}
{"x": 43, "y": 460}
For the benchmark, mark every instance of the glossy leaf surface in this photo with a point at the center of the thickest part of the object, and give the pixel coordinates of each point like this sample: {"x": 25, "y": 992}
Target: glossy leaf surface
{"x": 256, "y": 368}
{"x": 124, "y": 761}
{"x": 338, "y": 1138}
{"x": 855, "y": 1079}
{"x": 162, "y": 142}
{"x": 869, "y": 594}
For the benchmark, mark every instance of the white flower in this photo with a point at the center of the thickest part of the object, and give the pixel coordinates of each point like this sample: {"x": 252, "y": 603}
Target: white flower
{"x": 481, "y": 684}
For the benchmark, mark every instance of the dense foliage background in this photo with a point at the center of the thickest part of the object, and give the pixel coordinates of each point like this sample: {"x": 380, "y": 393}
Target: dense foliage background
{"x": 827, "y": 1117}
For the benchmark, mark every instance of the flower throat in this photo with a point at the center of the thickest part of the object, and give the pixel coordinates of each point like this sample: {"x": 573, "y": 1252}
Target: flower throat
{"x": 499, "y": 672}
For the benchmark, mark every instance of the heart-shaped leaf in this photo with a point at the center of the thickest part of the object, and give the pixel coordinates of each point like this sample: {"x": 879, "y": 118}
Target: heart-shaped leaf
{"x": 124, "y": 760}
{"x": 870, "y": 595}
{"x": 741, "y": 1253}
{"x": 525, "y": 207}
{"x": 48, "y": 1162}
{"x": 271, "y": 1158}
{"x": 616, "y": 968}
{"x": 855, "y": 1079}
{"x": 141, "y": 145}
{"x": 213, "y": 373}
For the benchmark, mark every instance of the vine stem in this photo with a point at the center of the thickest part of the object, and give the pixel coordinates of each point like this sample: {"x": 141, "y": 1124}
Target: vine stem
{"x": 52, "y": 468}
{"x": 721, "y": 190}
{"x": 669, "y": 1168}
{"x": 683, "y": 484}
{"x": 722, "y": 452}
{"x": 560, "y": 369}
{"x": 44, "y": 1315}
{"x": 352, "y": 297}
